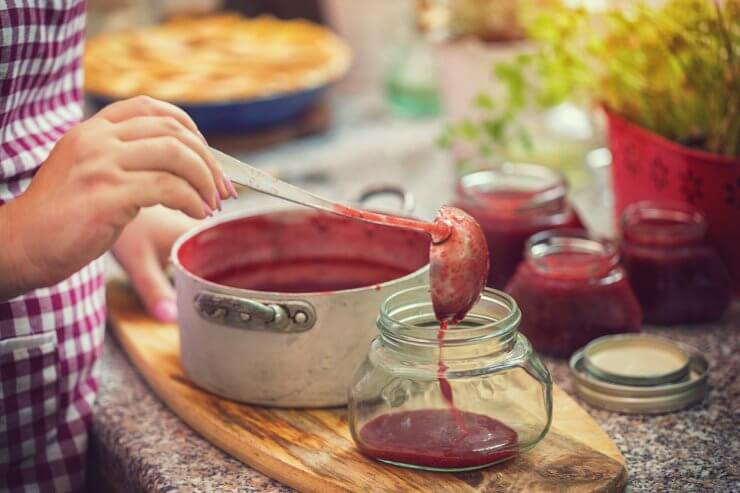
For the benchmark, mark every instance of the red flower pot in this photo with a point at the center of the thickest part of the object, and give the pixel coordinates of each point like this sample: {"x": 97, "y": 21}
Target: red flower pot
{"x": 646, "y": 166}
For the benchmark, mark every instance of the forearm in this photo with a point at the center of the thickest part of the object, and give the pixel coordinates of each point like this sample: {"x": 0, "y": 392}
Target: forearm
{"x": 15, "y": 267}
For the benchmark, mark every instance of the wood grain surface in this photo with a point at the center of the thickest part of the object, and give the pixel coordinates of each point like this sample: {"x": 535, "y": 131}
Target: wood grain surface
{"x": 312, "y": 450}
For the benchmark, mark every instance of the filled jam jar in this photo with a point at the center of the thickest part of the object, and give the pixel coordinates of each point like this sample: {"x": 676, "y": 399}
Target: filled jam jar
{"x": 677, "y": 276}
{"x": 450, "y": 398}
{"x": 571, "y": 290}
{"x": 512, "y": 202}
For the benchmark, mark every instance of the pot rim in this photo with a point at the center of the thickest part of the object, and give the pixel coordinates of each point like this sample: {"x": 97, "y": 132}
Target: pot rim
{"x": 261, "y": 211}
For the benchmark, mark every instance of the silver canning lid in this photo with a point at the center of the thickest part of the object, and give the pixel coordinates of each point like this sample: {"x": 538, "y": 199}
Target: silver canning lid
{"x": 653, "y": 399}
{"x": 636, "y": 359}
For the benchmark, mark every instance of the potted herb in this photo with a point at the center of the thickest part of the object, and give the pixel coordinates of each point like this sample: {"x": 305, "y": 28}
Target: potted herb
{"x": 474, "y": 35}
{"x": 668, "y": 79}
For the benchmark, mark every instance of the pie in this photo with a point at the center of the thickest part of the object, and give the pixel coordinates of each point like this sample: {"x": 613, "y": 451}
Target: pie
{"x": 214, "y": 59}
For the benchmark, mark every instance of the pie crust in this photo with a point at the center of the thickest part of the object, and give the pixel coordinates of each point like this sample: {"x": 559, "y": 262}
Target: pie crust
{"x": 214, "y": 59}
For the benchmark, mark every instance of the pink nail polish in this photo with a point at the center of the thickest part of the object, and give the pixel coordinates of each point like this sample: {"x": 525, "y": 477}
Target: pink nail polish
{"x": 166, "y": 311}
{"x": 230, "y": 187}
{"x": 207, "y": 209}
{"x": 217, "y": 198}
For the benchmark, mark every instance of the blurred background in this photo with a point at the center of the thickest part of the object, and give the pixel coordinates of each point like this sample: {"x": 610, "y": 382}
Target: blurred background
{"x": 339, "y": 94}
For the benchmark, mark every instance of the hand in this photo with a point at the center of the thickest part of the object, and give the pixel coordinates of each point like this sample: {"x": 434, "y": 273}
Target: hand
{"x": 143, "y": 250}
{"x": 132, "y": 154}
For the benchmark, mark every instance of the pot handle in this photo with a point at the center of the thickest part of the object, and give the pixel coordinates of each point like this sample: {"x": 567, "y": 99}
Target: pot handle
{"x": 288, "y": 316}
{"x": 408, "y": 202}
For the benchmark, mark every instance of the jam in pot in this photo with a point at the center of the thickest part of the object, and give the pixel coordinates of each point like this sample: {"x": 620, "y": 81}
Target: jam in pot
{"x": 571, "y": 290}
{"x": 512, "y": 202}
{"x": 462, "y": 398}
{"x": 677, "y": 276}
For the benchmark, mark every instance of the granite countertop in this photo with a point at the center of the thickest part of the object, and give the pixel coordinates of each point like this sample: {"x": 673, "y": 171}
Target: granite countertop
{"x": 139, "y": 444}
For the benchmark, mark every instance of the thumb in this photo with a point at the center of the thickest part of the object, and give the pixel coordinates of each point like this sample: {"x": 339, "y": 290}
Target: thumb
{"x": 153, "y": 286}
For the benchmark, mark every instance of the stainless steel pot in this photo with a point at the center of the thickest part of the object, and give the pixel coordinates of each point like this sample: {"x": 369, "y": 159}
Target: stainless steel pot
{"x": 279, "y": 348}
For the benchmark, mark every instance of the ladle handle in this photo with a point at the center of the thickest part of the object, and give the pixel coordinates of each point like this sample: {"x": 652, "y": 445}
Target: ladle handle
{"x": 255, "y": 178}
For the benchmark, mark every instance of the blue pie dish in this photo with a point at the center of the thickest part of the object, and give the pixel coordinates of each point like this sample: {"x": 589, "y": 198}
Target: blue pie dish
{"x": 240, "y": 117}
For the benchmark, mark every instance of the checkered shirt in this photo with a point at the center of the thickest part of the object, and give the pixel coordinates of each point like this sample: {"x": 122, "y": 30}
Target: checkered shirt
{"x": 50, "y": 338}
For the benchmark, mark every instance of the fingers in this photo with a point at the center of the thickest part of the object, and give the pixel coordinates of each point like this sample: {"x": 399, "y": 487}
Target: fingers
{"x": 150, "y": 281}
{"x": 168, "y": 154}
{"x": 149, "y": 188}
{"x": 145, "y": 127}
{"x": 142, "y": 106}
{"x": 162, "y": 137}
{"x": 146, "y": 106}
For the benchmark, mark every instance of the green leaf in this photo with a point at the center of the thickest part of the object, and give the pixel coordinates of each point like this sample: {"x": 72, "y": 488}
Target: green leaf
{"x": 525, "y": 140}
{"x": 445, "y": 139}
{"x": 485, "y": 150}
{"x": 495, "y": 128}
{"x": 468, "y": 130}
{"x": 484, "y": 101}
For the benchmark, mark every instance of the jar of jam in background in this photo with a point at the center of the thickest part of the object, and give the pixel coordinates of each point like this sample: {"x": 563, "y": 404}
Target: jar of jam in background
{"x": 571, "y": 290}
{"x": 677, "y": 276}
{"x": 512, "y": 202}
{"x": 464, "y": 398}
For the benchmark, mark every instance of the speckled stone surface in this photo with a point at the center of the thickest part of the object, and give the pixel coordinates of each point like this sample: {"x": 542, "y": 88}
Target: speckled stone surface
{"x": 697, "y": 449}
{"x": 147, "y": 448}
{"x": 144, "y": 447}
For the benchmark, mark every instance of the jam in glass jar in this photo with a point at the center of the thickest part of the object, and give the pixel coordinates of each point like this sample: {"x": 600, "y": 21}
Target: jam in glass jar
{"x": 677, "y": 276}
{"x": 571, "y": 290}
{"x": 460, "y": 399}
{"x": 512, "y": 202}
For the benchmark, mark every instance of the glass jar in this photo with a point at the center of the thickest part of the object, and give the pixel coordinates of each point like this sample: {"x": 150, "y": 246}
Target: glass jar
{"x": 411, "y": 83}
{"x": 571, "y": 290}
{"x": 512, "y": 202}
{"x": 457, "y": 399}
{"x": 677, "y": 276}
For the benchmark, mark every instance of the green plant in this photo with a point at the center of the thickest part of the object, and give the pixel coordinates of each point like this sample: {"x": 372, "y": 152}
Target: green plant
{"x": 673, "y": 69}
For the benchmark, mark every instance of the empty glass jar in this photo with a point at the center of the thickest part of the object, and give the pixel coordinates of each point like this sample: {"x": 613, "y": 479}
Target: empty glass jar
{"x": 474, "y": 397}
{"x": 571, "y": 290}
{"x": 677, "y": 276}
{"x": 512, "y": 202}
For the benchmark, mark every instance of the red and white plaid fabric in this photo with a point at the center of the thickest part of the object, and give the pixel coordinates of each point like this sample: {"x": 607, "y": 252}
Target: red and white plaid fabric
{"x": 51, "y": 338}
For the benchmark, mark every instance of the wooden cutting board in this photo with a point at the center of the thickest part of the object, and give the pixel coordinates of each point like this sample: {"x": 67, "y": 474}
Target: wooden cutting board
{"x": 312, "y": 450}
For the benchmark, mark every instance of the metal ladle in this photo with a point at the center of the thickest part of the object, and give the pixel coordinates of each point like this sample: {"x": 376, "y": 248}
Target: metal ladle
{"x": 256, "y": 179}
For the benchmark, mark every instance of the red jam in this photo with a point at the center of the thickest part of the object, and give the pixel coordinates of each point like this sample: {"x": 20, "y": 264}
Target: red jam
{"x": 571, "y": 290}
{"x": 458, "y": 266}
{"x": 512, "y": 203}
{"x": 444, "y": 386}
{"x": 434, "y": 438}
{"x": 309, "y": 275}
{"x": 303, "y": 251}
{"x": 677, "y": 276}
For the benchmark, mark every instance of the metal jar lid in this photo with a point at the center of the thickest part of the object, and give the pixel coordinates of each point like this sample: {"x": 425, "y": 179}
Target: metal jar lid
{"x": 598, "y": 390}
{"x": 636, "y": 359}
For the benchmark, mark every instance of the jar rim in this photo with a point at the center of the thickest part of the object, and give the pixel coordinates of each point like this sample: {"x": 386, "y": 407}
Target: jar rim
{"x": 662, "y": 223}
{"x": 546, "y": 186}
{"x": 597, "y": 256}
{"x": 469, "y": 330}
